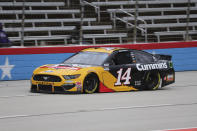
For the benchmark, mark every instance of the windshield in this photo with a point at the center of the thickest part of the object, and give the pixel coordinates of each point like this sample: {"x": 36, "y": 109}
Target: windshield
{"x": 87, "y": 58}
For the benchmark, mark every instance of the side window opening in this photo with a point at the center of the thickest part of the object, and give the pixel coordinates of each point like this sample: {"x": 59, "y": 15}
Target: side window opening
{"x": 122, "y": 58}
{"x": 143, "y": 57}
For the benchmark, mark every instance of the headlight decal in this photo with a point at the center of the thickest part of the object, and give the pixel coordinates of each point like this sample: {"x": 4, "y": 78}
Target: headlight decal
{"x": 69, "y": 77}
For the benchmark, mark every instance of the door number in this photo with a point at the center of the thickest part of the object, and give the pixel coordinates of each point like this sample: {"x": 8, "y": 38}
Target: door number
{"x": 125, "y": 77}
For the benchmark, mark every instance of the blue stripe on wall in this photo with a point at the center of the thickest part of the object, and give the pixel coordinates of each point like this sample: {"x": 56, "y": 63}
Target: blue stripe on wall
{"x": 184, "y": 59}
{"x": 20, "y": 67}
{"x": 25, "y": 64}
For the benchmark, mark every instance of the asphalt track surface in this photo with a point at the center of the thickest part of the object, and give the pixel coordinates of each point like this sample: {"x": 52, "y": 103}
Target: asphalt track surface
{"x": 172, "y": 107}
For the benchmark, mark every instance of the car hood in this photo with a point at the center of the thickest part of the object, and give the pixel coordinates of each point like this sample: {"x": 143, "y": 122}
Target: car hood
{"x": 59, "y": 69}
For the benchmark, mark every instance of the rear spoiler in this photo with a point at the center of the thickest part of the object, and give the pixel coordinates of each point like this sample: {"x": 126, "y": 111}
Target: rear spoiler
{"x": 163, "y": 57}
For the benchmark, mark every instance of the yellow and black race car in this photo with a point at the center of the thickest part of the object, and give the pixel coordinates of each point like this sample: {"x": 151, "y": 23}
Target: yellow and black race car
{"x": 105, "y": 70}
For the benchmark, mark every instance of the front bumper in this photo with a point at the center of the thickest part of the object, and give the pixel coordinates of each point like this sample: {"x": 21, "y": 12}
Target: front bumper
{"x": 55, "y": 84}
{"x": 54, "y": 89}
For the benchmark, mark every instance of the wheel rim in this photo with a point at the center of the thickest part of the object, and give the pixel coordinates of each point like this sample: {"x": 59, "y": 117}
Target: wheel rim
{"x": 153, "y": 81}
{"x": 90, "y": 84}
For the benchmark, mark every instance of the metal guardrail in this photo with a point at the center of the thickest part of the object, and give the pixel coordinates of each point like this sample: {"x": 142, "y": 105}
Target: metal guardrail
{"x": 143, "y": 30}
{"x": 97, "y": 9}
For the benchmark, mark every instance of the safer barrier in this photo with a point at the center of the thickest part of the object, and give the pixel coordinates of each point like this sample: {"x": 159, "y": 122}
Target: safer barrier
{"x": 19, "y": 63}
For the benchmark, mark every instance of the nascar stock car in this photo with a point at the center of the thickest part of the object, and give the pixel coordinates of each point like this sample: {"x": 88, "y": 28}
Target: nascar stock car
{"x": 105, "y": 70}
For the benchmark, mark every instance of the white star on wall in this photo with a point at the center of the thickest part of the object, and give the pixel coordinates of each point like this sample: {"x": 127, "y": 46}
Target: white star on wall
{"x": 6, "y": 69}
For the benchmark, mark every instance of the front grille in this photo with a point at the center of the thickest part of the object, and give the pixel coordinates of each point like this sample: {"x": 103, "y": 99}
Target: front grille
{"x": 47, "y": 88}
{"x": 47, "y": 78}
{"x": 58, "y": 89}
{"x": 68, "y": 86}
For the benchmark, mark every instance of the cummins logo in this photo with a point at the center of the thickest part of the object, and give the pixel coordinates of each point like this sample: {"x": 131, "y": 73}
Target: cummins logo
{"x": 144, "y": 67}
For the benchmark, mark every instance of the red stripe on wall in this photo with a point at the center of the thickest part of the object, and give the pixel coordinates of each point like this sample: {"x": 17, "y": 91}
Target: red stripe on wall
{"x": 73, "y": 49}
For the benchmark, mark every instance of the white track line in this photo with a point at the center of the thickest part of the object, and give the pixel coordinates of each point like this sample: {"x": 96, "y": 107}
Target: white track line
{"x": 20, "y": 96}
{"x": 94, "y": 110}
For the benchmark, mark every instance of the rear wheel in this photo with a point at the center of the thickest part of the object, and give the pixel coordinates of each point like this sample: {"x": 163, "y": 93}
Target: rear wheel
{"x": 91, "y": 83}
{"x": 153, "y": 80}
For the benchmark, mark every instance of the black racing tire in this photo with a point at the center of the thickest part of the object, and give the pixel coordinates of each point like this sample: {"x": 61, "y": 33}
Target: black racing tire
{"x": 33, "y": 89}
{"x": 90, "y": 83}
{"x": 152, "y": 81}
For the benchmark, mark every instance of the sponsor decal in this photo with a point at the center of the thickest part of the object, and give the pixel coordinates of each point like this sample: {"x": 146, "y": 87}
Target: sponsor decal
{"x": 171, "y": 64}
{"x": 137, "y": 83}
{"x": 79, "y": 86}
{"x": 144, "y": 67}
{"x": 133, "y": 57}
{"x": 169, "y": 77}
{"x": 44, "y": 83}
{"x": 78, "y": 83}
{"x": 106, "y": 67}
{"x": 61, "y": 67}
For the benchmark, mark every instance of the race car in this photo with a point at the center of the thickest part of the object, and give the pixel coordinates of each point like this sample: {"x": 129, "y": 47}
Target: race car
{"x": 105, "y": 70}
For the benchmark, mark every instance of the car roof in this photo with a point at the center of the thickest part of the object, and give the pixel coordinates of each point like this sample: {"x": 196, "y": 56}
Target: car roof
{"x": 102, "y": 49}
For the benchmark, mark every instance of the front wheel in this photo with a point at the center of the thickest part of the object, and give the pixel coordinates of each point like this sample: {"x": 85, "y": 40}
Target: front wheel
{"x": 90, "y": 84}
{"x": 153, "y": 80}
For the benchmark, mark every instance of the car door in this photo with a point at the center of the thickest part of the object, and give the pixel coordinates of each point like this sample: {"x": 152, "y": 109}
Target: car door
{"x": 119, "y": 75}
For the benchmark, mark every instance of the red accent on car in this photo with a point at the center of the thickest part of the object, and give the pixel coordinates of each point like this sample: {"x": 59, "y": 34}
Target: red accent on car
{"x": 61, "y": 67}
{"x": 103, "y": 88}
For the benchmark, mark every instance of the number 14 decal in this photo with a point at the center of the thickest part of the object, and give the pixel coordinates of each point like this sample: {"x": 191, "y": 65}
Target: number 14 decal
{"x": 126, "y": 76}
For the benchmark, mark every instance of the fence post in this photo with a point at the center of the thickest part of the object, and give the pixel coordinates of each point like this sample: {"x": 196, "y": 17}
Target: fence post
{"x": 135, "y": 22}
{"x": 81, "y": 22}
{"x": 188, "y": 20}
{"x": 23, "y": 24}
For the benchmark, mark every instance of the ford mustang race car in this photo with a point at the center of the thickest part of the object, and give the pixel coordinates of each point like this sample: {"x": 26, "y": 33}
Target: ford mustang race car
{"x": 105, "y": 70}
